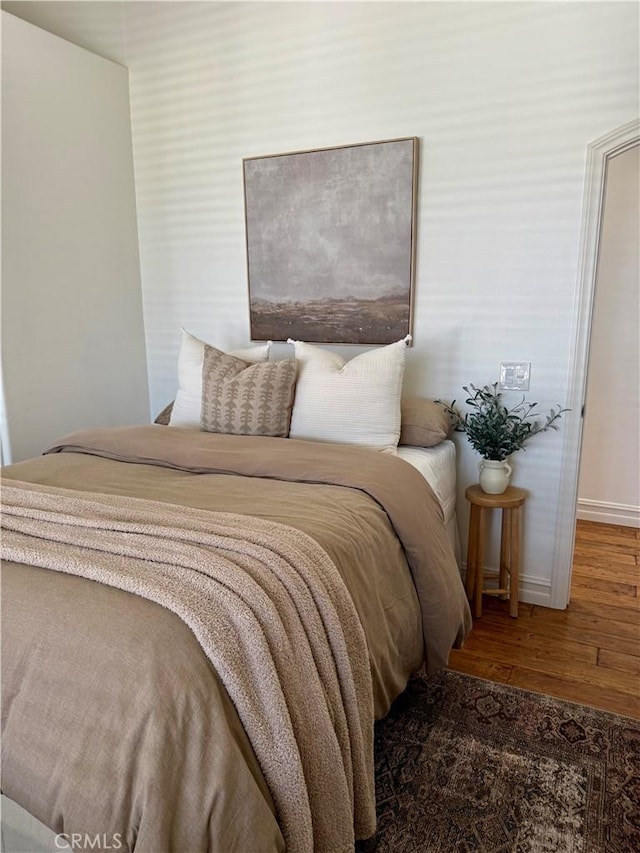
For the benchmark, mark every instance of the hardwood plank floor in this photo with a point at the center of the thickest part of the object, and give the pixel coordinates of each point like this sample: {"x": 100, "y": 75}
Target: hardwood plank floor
{"x": 589, "y": 653}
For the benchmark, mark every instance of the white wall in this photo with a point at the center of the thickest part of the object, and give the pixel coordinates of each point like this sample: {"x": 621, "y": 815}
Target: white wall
{"x": 72, "y": 331}
{"x": 504, "y": 97}
{"x": 609, "y": 489}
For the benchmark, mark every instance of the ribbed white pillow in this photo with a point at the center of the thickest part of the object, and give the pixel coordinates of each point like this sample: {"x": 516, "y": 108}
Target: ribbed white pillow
{"x": 187, "y": 407}
{"x": 353, "y": 402}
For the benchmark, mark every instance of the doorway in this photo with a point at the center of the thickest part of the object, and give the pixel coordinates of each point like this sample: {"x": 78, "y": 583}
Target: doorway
{"x": 600, "y": 156}
{"x": 609, "y": 481}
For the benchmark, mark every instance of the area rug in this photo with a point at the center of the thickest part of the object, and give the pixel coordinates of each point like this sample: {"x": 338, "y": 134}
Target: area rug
{"x": 464, "y": 765}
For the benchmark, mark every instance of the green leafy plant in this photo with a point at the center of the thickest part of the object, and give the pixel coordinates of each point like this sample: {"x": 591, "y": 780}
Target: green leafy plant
{"x": 494, "y": 430}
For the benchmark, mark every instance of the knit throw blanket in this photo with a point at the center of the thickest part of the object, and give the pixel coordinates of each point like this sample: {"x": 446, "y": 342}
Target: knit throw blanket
{"x": 271, "y": 613}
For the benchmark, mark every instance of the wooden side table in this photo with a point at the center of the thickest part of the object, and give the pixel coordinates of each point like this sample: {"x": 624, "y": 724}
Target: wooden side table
{"x": 509, "y": 502}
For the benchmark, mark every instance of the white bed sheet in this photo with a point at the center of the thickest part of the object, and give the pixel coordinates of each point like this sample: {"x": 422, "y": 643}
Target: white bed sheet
{"x": 438, "y": 466}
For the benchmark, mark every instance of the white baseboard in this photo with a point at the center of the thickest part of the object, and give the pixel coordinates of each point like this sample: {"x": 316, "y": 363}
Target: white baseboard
{"x": 533, "y": 589}
{"x": 609, "y": 513}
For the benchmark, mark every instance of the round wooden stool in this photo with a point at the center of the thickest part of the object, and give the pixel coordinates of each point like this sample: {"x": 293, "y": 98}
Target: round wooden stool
{"x": 509, "y": 502}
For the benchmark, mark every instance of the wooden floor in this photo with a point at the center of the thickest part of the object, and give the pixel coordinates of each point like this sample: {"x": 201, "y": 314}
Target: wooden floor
{"x": 589, "y": 653}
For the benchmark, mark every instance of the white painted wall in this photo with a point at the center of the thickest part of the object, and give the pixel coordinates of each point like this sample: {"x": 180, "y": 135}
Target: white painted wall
{"x": 609, "y": 488}
{"x": 504, "y": 97}
{"x": 73, "y": 348}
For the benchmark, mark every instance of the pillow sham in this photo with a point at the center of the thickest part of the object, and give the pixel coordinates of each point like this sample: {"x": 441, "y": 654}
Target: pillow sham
{"x": 187, "y": 407}
{"x": 239, "y": 398}
{"x": 424, "y": 423}
{"x": 353, "y": 402}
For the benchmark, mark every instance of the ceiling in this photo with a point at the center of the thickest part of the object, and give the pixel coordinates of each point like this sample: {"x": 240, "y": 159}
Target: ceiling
{"x": 116, "y": 29}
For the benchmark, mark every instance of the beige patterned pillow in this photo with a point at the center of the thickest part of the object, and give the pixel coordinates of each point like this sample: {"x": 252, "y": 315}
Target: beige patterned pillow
{"x": 187, "y": 407}
{"x": 240, "y": 398}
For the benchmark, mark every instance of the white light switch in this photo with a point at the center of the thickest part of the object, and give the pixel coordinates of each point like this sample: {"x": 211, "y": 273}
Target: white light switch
{"x": 514, "y": 375}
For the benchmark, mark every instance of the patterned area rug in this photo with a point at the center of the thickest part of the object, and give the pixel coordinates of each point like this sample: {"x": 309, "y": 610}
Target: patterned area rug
{"x": 464, "y": 765}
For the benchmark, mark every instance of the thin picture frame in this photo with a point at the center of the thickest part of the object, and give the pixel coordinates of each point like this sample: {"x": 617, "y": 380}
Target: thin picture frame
{"x": 331, "y": 242}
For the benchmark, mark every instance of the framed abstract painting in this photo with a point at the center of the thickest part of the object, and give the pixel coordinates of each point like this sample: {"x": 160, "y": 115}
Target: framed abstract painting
{"x": 330, "y": 240}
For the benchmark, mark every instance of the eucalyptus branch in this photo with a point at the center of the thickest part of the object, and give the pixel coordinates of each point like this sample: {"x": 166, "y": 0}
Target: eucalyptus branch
{"x": 494, "y": 430}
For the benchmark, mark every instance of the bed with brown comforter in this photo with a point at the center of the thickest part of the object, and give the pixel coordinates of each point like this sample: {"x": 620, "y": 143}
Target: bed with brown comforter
{"x": 199, "y": 629}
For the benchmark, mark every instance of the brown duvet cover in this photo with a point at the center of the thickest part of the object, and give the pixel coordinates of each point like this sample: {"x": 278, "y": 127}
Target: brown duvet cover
{"x": 114, "y": 719}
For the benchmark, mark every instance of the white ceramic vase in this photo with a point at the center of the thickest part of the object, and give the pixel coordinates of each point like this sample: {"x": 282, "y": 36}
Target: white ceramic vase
{"x": 494, "y": 476}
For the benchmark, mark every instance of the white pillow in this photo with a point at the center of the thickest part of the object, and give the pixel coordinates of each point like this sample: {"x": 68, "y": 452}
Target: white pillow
{"x": 353, "y": 402}
{"x": 187, "y": 408}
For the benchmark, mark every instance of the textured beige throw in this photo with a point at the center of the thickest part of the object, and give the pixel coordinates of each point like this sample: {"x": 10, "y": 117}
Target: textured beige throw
{"x": 271, "y": 613}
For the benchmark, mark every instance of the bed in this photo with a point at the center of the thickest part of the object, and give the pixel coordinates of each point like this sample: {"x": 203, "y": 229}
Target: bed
{"x": 199, "y": 630}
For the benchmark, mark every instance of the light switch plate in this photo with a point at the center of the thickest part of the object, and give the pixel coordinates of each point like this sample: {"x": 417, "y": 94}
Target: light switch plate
{"x": 514, "y": 375}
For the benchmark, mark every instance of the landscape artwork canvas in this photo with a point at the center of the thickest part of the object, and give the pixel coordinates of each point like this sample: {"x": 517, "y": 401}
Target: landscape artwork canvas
{"x": 331, "y": 243}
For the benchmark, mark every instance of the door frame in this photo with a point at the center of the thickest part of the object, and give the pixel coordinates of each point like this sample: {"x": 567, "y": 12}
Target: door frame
{"x": 599, "y": 153}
